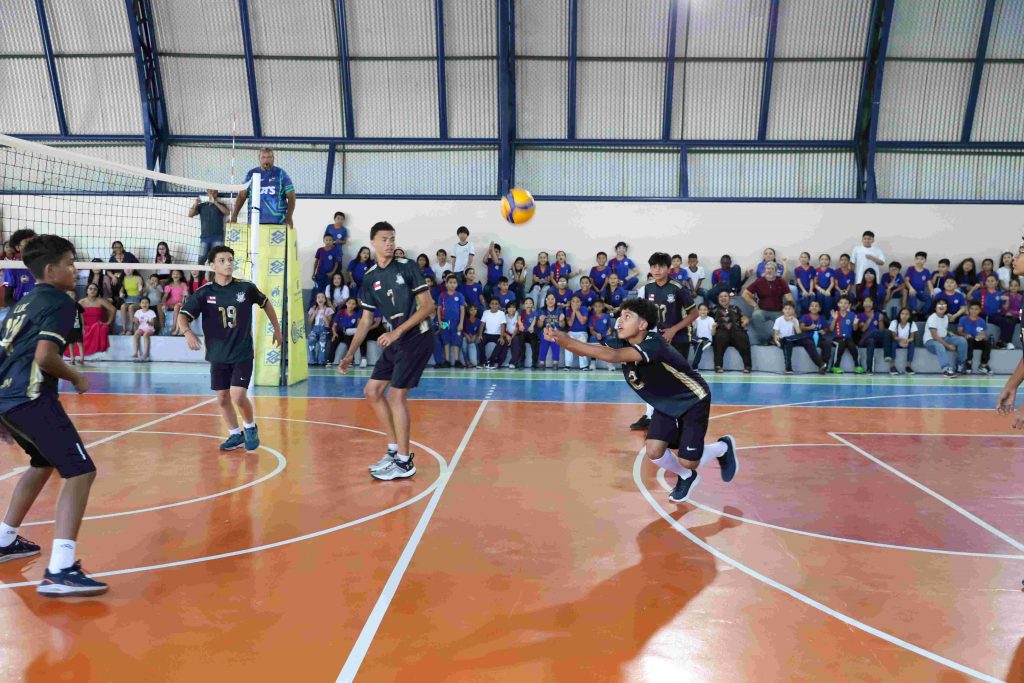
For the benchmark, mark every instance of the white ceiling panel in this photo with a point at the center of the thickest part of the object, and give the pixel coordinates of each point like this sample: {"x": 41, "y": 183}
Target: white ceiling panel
{"x": 472, "y": 98}
{"x": 198, "y": 27}
{"x": 205, "y": 94}
{"x": 542, "y": 27}
{"x": 738, "y": 28}
{"x": 936, "y": 28}
{"x": 814, "y": 100}
{"x": 620, "y": 100}
{"x": 33, "y": 111}
{"x": 608, "y": 28}
{"x": 470, "y": 28}
{"x": 307, "y": 29}
{"x": 93, "y": 27}
{"x": 722, "y": 100}
{"x": 541, "y": 102}
{"x": 923, "y": 100}
{"x": 101, "y": 95}
{"x": 299, "y": 98}
{"x": 395, "y": 99}
{"x": 1000, "y": 113}
{"x": 812, "y": 28}
{"x": 19, "y": 28}
{"x": 390, "y": 28}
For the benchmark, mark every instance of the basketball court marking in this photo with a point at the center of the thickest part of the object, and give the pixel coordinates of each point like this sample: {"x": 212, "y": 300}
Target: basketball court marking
{"x": 937, "y": 496}
{"x": 387, "y": 594}
{"x": 282, "y": 462}
{"x": 118, "y": 435}
{"x": 860, "y": 398}
{"x": 807, "y": 600}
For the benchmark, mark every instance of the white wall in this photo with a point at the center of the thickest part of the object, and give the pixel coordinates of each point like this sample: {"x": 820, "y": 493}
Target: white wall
{"x": 709, "y": 229}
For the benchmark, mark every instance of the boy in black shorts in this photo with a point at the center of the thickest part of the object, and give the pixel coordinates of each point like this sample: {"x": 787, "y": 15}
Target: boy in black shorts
{"x": 394, "y": 288}
{"x": 226, "y": 306}
{"x": 31, "y": 347}
{"x": 662, "y": 377}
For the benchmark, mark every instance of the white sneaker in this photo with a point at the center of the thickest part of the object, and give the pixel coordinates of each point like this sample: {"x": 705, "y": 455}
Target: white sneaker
{"x": 383, "y": 463}
{"x": 593, "y": 366}
{"x": 362, "y": 363}
{"x": 396, "y": 470}
{"x": 1010, "y": 347}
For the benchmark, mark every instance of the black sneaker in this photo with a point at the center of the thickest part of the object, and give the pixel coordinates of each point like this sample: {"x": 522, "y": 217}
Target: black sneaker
{"x": 730, "y": 461}
{"x": 910, "y": 370}
{"x": 684, "y": 487}
{"x": 969, "y": 366}
{"x": 643, "y": 423}
{"x": 893, "y": 371}
{"x": 985, "y": 370}
{"x": 459, "y": 364}
{"x": 396, "y": 470}
{"x": 20, "y": 548}
{"x": 70, "y": 582}
{"x": 445, "y": 364}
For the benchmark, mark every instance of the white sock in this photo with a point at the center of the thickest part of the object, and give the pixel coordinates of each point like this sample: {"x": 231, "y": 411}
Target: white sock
{"x": 650, "y": 411}
{"x": 713, "y": 451}
{"x": 401, "y": 457}
{"x": 7, "y": 535}
{"x": 248, "y": 425}
{"x": 236, "y": 430}
{"x": 392, "y": 448}
{"x": 63, "y": 555}
{"x": 670, "y": 463}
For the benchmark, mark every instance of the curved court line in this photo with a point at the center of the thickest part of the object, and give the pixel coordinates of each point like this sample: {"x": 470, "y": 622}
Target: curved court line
{"x": 935, "y": 551}
{"x": 858, "y": 398}
{"x": 282, "y": 462}
{"x": 793, "y": 593}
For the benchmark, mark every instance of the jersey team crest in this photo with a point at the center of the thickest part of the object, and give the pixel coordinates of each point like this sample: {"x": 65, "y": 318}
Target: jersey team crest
{"x": 240, "y": 297}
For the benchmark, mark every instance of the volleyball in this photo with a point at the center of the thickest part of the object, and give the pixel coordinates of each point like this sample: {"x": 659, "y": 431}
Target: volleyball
{"x": 517, "y": 206}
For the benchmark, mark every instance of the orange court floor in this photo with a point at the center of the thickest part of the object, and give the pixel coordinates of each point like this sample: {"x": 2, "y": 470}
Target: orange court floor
{"x": 870, "y": 538}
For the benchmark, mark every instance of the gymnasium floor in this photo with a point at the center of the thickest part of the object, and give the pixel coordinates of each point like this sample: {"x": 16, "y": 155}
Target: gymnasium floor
{"x": 874, "y": 532}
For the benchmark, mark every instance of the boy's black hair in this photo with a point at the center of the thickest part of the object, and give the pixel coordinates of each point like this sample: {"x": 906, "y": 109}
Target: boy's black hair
{"x": 824, "y": 254}
{"x": 468, "y": 269}
{"x": 690, "y": 255}
{"x": 644, "y": 309}
{"x": 790, "y": 304}
{"x": 943, "y": 261}
{"x": 585, "y": 277}
{"x": 513, "y": 304}
{"x": 922, "y": 254}
{"x": 621, "y": 244}
{"x": 146, "y": 299}
{"x": 20, "y": 236}
{"x": 497, "y": 246}
{"x": 445, "y": 274}
{"x": 462, "y": 229}
{"x": 725, "y": 256}
{"x": 219, "y": 249}
{"x": 339, "y": 213}
{"x": 493, "y": 300}
{"x": 44, "y": 250}
{"x": 450, "y": 278}
{"x": 868, "y": 233}
{"x": 896, "y": 264}
{"x": 972, "y": 304}
{"x": 660, "y": 258}
{"x": 327, "y": 234}
{"x": 503, "y": 279}
{"x": 601, "y": 253}
{"x": 704, "y": 305}
{"x": 846, "y": 255}
{"x": 440, "y": 251}
{"x": 381, "y": 226}
{"x": 677, "y": 256}
{"x": 848, "y": 299}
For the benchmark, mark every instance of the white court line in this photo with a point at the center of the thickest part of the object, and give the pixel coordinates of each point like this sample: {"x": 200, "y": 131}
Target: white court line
{"x": 807, "y": 600}
{"x": 118, "y": 435}
{"x": 282, "y": 462}
{"x": 937, "y": 496}
{"x": 998, "y": 436}
{"x": 863, "y": 398}
{"x": 15, "y": 471}
{"x": 365, "y": 639}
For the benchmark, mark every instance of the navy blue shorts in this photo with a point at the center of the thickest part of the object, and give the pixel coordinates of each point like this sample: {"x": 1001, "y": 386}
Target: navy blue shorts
{"x": 402, "y": 364}
{"x": 450, "y": 335}
{"x": 685, "y": 433}
{"x": 45, "y": 432}
{"x": 223, "y": 376}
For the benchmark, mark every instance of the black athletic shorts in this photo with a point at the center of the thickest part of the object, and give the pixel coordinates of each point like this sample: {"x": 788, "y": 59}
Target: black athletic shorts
{"x": 685, "y": 433}
{"x": 223, "y": 376}
{"x": 403, "y": 364}
{"x": 45, "y": 432}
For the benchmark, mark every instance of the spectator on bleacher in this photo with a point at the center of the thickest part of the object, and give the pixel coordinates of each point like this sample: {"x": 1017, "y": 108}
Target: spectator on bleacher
{"x": 493, "y": 321}
{"x": 957, "y": 302}
{"x": 131, "y": 294}
{"x": 940, "y": 342}
{"x": 277, "y": 193}
{"x": 703, "y": 333}
{"x": 338, "y": 231}
{"x": 767, "y": 256}
{"x": 495, "y": 267}
{"x": 504, "y": 294}
{"x": 97, "y": 317}
{"x": 845, "y": 280}
{"x": 104, "y": 283}
{"x": 473, "y": 290}
{"x": 343, "y": 328}
{"x": 587, "y": 294}
{"x": 531, "y": 339}
{"x": 441, "y": 264}
{"x": 337, "y": 291}
{"x": 196, "y": 279}
{"x": 600, "y": 271}
{"x": 1005, "y": 270}
{"x": 357, "y": 268}
{"x": 726, "y": 278}
{"x": 144, "y": 318}
{"x": 577, "y": 324}
{"x": 614, "y": 293}
{"x": 9, "y": 253}
{"x": 842, "y": 329}
{"x": 543, "y": 279}
{"x": 423, "y": 263}
{"x": 462, "y": 254}
{"x": 327, "y": 262}
{"x": 766, "y": 295}
{"x": 966, "y": 275}
{"x": 155, "y": 294}
{"x": 318, "y": 320}
{"x": 18, "y": 282}
{"x": 211, "y": 222}
{"x": 600, "y": 327}
{"x": 992, "y": 303}
{"x": 511, "y": 341}
{"x": 940, "y": 276}
{"x": 625, "y": 268}
{"x": 119, "y": 255}
{"x": 175, "y": 293}
{"x": 894, "y": 291}
{"x": 549, "y": 316}
{"x": 562, "y": 293}
{"x": 561, "y": 268}
{"x": 730, "y": 330}
{"x": 451, "y": 313}
{"x": 163, "y": 255}
{"x": 974, "y": 329}
{"x": 817, "y": 323}
{"x": 472, "y": 335}
{"x": 803, "y": 279}
{"x": 517, "y": 278}
{"x": 870, "y": 323}
{"x": 902, "y": 333}
{"x": 987, "y": 268}
{"x": 399, "y": 252}
{"x": 824, "y": 283}
{"x": 695, "y": 272}
{"x": 676, "y": 272}
{"x": 919, "y": 284}
{"x": 868, "y": 287}
{"x": 866, "y": 255}
{"x": 787, "y": 333}
{"x": 1013, "y": 305}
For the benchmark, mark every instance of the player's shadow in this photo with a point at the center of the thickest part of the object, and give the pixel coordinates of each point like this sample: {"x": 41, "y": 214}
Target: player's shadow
{"x": 595, "y": 636}
{"x": 70, "y": 621}
{"x": 1016, "y": 673}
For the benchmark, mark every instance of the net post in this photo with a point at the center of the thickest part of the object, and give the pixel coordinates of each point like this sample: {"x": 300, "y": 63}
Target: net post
{"x": 254, "y": 247}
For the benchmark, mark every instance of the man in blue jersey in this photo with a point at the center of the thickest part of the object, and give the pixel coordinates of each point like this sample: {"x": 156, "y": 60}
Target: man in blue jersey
{"x": 277, "y": 193}
{"x": 661, "y": 376}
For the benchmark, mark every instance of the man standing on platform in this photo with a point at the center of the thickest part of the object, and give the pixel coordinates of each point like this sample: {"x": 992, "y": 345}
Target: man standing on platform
{"x": 277, "y": 193}
{"x": 211, "y": 223}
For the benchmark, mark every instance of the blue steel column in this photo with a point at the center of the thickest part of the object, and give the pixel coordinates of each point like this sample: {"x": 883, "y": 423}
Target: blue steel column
{"x": 346, "y": 73}
{"x": 51, "y": 67}
{"x": 859, "y": 134}
{"x": 769, "y": 68}
{"x": 876, "y": 100}
{"x": 442, "y": 83}
{"x": 670, "y": 69}
{"x": 506, "y": 94}
{"x": 979, "y": 67}
{"x": 151, "y": 90}
{"x": 574, "y": 28}
{"x": 250, "y": 68}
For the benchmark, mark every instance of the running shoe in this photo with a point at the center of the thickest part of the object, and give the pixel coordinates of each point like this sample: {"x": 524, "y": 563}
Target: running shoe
{"x": 729, "y": 461}
{"x": 396, "y": 470}
{"x": 384, "y": 462}
{"x": 234, "y": 441}
{"x": 684, "y": 487}
{"x": 252, "y": 438}
{"x": 21, "y": 547}
{"x": 643, "y": 423}
{"x": 70, "y": 582}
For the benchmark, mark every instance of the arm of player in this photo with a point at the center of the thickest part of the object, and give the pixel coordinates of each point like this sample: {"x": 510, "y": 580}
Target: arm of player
{"x": 600, "y": 352}
{"x": 687, "y": 320}
{"x": 49, "y": 360}
{"x": 239, "y": 203}
{"x": 365, "y": 324}
{"x": 426, "y": 308}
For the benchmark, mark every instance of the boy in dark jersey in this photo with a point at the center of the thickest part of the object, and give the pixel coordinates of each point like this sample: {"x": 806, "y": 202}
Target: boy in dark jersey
{"x": 225, "y": 303}
{"x": 31, "y": 347}
{"x": 394, "y": 287}
{"x": 662, "y": 377}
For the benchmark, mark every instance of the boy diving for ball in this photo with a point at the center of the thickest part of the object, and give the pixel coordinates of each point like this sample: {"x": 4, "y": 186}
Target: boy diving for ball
{"x": 662, "y": 377}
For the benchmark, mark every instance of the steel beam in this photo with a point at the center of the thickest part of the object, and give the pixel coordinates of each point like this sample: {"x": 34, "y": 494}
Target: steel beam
{"x": 670, "y": 70}
{"x": 51, "y": 67}
{"x": 979, "y": 67}
{"x": 442, "y": 82}
{"x": 346, "y": 73}
{"x": 769, "y": 69}
{"x": 250, "y": 67}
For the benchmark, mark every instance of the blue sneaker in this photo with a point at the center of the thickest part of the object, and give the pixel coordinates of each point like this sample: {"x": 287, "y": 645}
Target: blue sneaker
{"x": 252, "y": 439}
{"x": 684, "y": 487}
{"x": 72, "y": 581}
{"x": 18, "y": 549}
{"x": 234, "y": 441}
{"x": 730, "y": 461}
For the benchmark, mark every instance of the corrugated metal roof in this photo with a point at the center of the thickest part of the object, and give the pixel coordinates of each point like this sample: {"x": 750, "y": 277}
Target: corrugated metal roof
{"x": 722, "y": 100}
{"x": 599, "y": 172}
{"x": 424, "y": 171}
{"x": 814, "y": 100}
{"x": 96, "y": 26}
{"x": 1000, "y": 113}
{"x": 542, "y": 27}
{"x": 923, "y": 100}
{"x": 1006, "y": 41}
{"x": 621, "y": 100}
{"x": 19, "y": 28}
{"x": 812, "y": 28}
{"x": 308, "y": 28}
{"x": 761, "y": 174}
{"x": 609, "y": 28}
{"x": 472, "y": 98}
{"x": 395, "y": 98}
{"x": 935, "y": 175}
{"x": 203, "y": 94}
{"x": 936, "y": 28}
{"x": 728, "y": 29}
{"x": 201, "y": 27}
{"x": 35, "y": 112}
{"x": 470, "y": 28}
{"x": 390, "y": 28}
{"x": 101, "y": 94}
{"x": 300, "y": 98}
{"x": 540, "y": 98}
{"x": 679, "y": 85}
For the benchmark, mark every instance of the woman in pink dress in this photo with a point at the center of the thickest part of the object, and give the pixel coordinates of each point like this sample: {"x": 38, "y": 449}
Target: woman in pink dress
{"x": 98, "y": 313}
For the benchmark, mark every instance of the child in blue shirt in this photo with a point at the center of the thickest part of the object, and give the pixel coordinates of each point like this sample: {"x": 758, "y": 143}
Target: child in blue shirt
{"x": 337, "y": 230}
{"x": 974, "y": 328}
{"x": 357, "y": 268}
{"x": 328, "y": 261}
{"x": 625, "y": 268}
{"x": 940, "y": 276}
{"x": 587, "y": 294}
{"x": 824, "y": 283}
{"x": 599, "y": 273}
{"x": 472, "y": 335}
{"x": 504, "y": 295}
{"x": 894, "y": 290}
{"x": 531, "y": 338}
{"x": 869, "y": 322}
{"x": 675, "y": 271}
{"x": 992, "y": 303}
{"x": 846, "y": 278}
{"x": 495, "y": 265}
{"x": 578, "y": 322}
{"x": 614, "y": 294}
{"x": 562, "y": 294}
{"x": 842, "y": 328}
{"x": 473, "y": 290}
{"x": 817, "y": 324}
{"x": 954, "y": 298}
{"x": 919, "y": 284}
{"x": 803, "y": 278}
{"x": 451, "y": 312}
{"x": 549, "y": 316}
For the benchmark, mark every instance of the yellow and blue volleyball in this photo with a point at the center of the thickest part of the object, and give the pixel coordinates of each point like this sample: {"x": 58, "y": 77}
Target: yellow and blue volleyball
{"x": 517, "y": 206}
